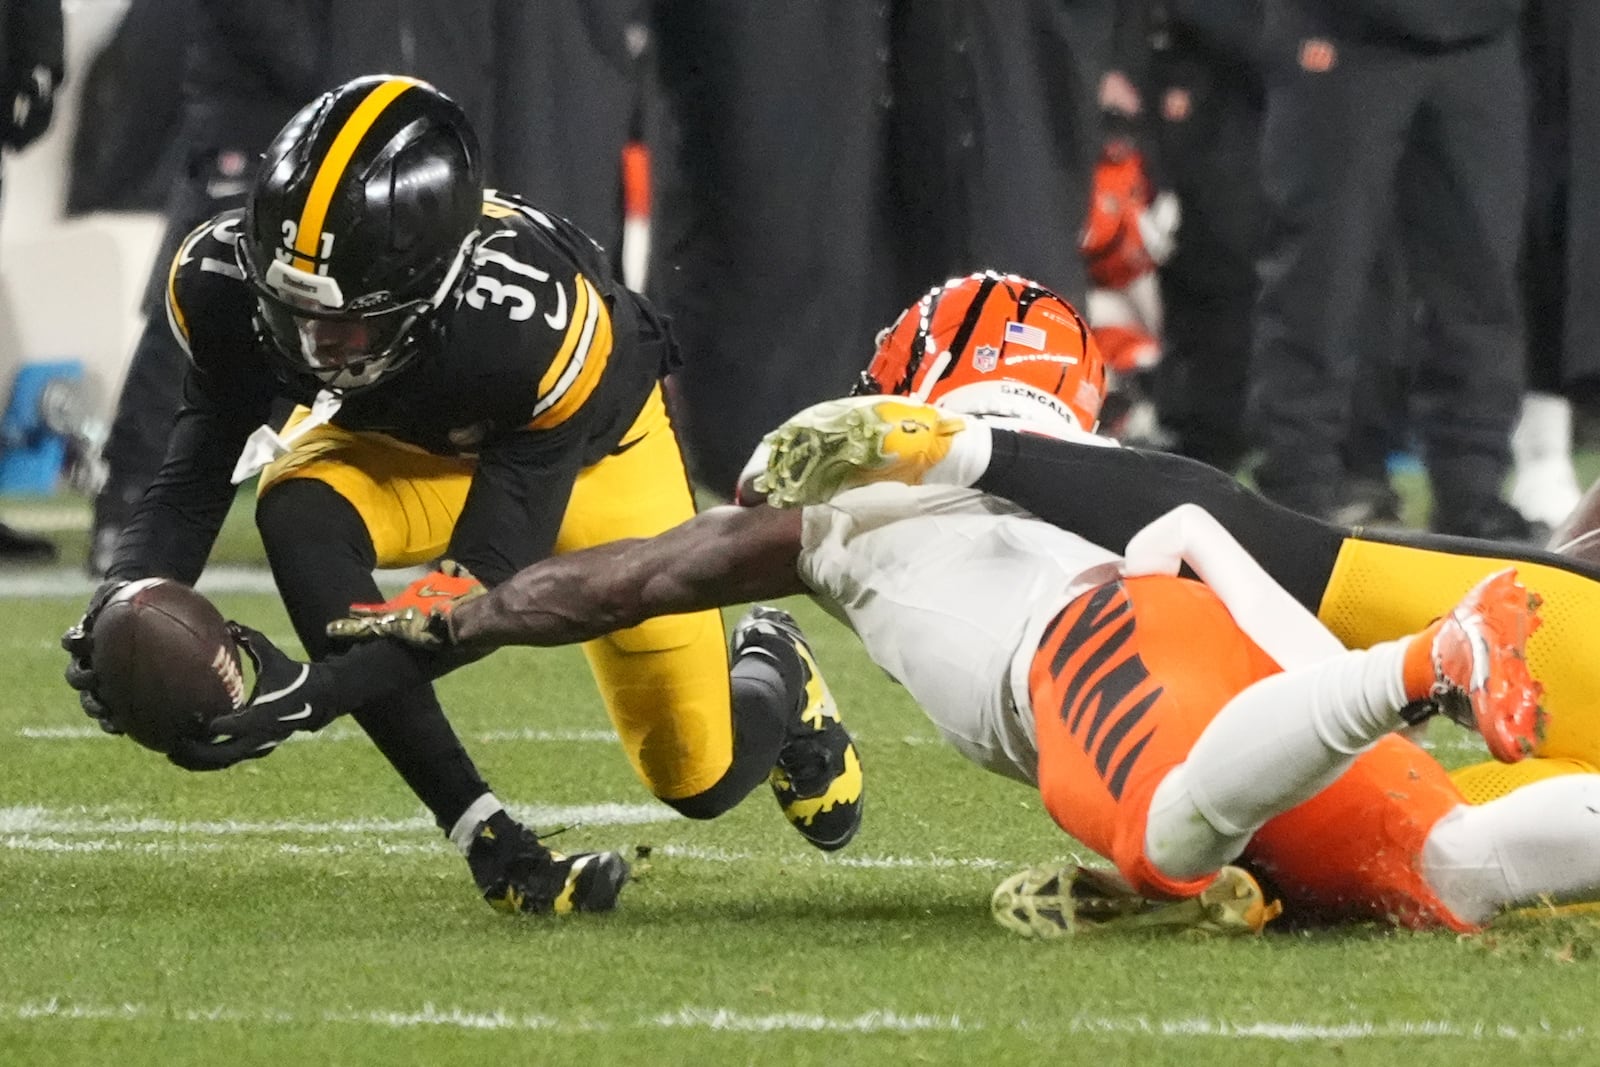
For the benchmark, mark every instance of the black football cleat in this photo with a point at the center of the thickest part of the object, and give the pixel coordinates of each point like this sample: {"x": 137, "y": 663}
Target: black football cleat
{"x": 817, "y": 779}
{"x": 517, "y": 873}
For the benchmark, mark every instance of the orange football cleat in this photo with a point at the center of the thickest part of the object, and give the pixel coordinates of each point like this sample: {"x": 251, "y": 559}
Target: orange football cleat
{"x": 1480, "y": 666}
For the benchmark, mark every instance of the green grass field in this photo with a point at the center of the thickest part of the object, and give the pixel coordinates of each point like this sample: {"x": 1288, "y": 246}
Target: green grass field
{"x": 302, "y": 909}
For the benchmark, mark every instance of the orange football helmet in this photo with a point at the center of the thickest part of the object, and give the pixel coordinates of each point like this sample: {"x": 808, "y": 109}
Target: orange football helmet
{"x": 993, "y": 344}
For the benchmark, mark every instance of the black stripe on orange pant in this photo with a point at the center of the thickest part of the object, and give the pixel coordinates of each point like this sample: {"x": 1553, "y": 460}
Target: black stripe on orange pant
{"x": 1125, "y": 680}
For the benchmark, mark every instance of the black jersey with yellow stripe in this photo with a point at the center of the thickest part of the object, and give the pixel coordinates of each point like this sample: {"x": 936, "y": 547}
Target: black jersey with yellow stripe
{"x": 541, "y": 367}
{"x": 541, "y": 339}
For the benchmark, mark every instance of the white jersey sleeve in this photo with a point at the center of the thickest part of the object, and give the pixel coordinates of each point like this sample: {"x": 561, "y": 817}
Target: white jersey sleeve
{"x": 1264, "y": 610}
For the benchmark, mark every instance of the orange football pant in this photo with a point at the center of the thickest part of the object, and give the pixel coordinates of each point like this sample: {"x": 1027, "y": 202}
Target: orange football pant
{"x": 1127, "y": 677}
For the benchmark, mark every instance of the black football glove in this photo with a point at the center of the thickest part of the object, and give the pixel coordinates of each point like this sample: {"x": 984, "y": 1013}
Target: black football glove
{"x": 78, "y": 643}
{"x": 288, "y": 696}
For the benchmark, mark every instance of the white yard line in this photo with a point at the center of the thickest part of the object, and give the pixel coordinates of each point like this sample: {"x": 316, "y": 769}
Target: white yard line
{"x": 225, "y": 578}
{"x": 84, "y": 830}
{"x": 44, "y": 518}
{"x": 87, "y": 731}
{"x": 726, "y": 1020}
{"x": 90, "y": 732}
{"x": 72, "y": 821}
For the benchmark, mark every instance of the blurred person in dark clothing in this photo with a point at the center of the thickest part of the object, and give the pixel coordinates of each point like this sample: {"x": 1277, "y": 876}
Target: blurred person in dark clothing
{"x": 836, "y": 159}
{"x": 31, "y": 69}
{"x": 552, "y": 87}
{"x": 125, "y": 145}
{"x": 1353, "y": 89}
{"x": 248, "y": 67}
{"x": 1205, "y": 90}
{"x": 1561, "y": 256}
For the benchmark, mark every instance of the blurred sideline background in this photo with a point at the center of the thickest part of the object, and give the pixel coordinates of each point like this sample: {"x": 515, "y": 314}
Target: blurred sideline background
{"x": 70, "y": 288}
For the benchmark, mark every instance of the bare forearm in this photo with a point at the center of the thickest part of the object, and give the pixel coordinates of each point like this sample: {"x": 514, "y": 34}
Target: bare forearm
{"x": 724, "y": 556}
{"x": 559, "y": 601}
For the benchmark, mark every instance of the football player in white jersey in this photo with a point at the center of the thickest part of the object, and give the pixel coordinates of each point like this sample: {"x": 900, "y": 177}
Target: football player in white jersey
{"x": 1171, "y": 724}
{"x": 943, "y": 402}
{"x": 1150, "y": 710}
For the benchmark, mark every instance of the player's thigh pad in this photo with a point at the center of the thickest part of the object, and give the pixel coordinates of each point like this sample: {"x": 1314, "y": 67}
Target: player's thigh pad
{"x": 1381, "y": 590}
{"x": 408, "y": 498}
{"x": 1354, "y": 851}
{"x": 665, "y": 681}
{"x": 1125, "y": 680}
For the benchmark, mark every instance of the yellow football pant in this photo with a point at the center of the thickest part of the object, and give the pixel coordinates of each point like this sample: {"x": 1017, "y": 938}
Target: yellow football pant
{"x": 665, "y": 681}
{"x": 1381, "y": 590}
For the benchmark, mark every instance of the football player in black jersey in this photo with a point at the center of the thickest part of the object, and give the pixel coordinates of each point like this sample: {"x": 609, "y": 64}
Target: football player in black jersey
{"x": 420, "y": 371}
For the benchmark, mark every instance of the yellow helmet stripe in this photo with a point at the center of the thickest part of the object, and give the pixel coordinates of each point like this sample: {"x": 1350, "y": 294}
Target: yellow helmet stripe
{"x": 309, "y": 235}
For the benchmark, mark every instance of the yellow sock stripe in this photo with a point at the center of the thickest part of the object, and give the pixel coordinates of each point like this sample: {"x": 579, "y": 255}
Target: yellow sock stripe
{"x": 309, "y": 236}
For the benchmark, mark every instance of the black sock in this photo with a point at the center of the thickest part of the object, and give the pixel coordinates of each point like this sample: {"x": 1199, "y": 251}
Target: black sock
{"x": 766, "y": 690}
{"x": 322, "y": 559}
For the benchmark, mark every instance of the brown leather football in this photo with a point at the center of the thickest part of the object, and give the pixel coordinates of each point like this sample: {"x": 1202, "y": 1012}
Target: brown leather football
{"x": 164, "y": 661}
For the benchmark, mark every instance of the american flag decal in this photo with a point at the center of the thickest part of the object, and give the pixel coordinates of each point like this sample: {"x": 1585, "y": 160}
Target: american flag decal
{"x": 1020, "y": 333}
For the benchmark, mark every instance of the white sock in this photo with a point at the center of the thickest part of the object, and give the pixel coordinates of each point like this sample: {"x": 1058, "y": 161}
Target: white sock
{"x": 967, "y": 459}
{"x": 1541, "y": 839}
{"x": 479, "y": 810}
{"x": 1275, "y": 745}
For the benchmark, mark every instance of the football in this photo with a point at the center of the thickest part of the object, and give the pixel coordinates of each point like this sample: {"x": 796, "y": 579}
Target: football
{"x": 165, "y": 663}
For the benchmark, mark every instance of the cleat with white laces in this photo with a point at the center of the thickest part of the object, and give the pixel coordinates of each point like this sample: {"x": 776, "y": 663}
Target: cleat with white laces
{"x": 1073, "y": 901}
{"x": 517, "y": 873}
{"x": 1480, "y": 666}
{"x": 817, "y": 779}
{"x": 841, "y": 444}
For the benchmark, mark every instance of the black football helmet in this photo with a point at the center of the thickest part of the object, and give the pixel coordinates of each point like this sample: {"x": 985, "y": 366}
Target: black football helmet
{"x": 360, "y": 228}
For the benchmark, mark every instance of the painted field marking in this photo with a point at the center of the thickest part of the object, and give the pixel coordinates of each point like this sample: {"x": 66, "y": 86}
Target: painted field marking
{"x": 87, "y": 731}
{"x": 89, "y": 830}
{"x": 42, "y": 582}
{"x": 872, "y": 1021}
{"x": 72, "y": 821}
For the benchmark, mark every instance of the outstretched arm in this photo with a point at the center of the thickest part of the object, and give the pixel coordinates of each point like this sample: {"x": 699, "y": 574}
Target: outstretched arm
{"x": 726, "y": 555}
{"x": 723, "y": 556}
